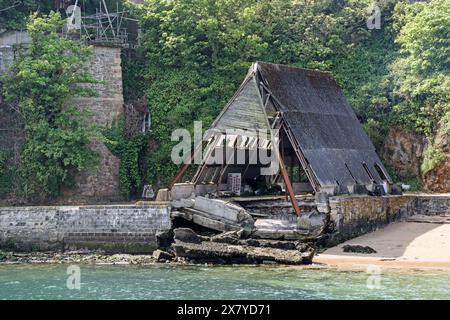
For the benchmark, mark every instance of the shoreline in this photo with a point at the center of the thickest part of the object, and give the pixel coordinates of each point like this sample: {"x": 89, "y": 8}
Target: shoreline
{"x": 351, "y": 262}
{"x": 320, "y": 261}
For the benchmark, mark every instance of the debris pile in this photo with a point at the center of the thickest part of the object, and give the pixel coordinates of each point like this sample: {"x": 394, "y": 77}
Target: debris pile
{"x": 231, "y": 248}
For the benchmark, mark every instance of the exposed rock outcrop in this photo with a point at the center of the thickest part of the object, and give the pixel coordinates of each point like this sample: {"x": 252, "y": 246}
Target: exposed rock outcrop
{"x": 438, "y": 179}
{"x": 403, "y": 152}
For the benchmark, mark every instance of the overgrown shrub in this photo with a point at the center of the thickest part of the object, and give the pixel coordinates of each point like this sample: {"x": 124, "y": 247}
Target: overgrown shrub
{"x": 431, "y": 158}
{"x": 43, "y": 80}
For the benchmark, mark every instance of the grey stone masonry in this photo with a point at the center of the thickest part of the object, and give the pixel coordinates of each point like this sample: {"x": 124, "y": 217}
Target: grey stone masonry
{"x": 106, "y": 108}
{"x": 433, "y": 205}
{"x": 119, "y": 228}
{"x": 102, "y": 183}
{"x": 356, "y": 215}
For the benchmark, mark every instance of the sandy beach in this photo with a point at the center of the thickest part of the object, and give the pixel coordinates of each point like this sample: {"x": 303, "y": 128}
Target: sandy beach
{"x": 418, "y": 243}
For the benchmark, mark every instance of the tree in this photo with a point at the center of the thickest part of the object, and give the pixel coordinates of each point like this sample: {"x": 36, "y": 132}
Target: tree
{"x": 197, "y": 51}
{"x": 14, "y": 14}
{"x": 420, "y": 76}
{"x": 42, "y": 81}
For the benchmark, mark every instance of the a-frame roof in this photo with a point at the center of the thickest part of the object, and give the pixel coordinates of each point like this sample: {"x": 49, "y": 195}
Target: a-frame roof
{"x": 325, "y": 130}
{"x": 325, "y": 127}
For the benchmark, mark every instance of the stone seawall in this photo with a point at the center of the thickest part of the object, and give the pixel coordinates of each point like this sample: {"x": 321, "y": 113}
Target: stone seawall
{"x": 433, "y": 205}
{"x": 352, "y": 216}
{"x": 122, "y": 228}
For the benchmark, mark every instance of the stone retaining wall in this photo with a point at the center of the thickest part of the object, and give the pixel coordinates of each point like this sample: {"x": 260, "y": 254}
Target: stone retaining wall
{"x": 125, "y": 228}
{"x": 356, "y": 215}
{"x": 433, "y": 205}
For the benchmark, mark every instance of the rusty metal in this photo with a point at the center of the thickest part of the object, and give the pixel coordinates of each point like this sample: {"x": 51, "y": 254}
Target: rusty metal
{"x": 287, "y": 183}
{"x": 185, "y": 166}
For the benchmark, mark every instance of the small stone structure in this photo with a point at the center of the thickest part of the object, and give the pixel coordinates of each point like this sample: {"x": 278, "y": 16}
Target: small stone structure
{"x": 121, "y": 228}
{"x": 102, "y": 184}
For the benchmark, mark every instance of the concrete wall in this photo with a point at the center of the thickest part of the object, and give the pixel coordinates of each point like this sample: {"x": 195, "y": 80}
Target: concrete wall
{"x": 6, "y": 57}
{"x": 11, "y": 38}
{"x": 126, "y": 228}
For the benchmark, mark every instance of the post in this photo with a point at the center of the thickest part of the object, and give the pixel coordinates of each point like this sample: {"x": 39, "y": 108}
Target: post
{"x": 185, "y": 166}
{"x": 289, "y": 188}
{"x": 285, "y": 176}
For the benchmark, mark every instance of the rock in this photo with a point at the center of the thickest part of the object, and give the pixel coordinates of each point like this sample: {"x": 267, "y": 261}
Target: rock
{"x": 358, "y": 249}
{"x": 230, "y": 237}
{"x": 234, "y": 254}
{"x": 403, "y": 151}
{"x": 438, "y": 179}
{"x": 307, "y": 256}
{"x": 162, "y": 256}
{"x": 314, "y": 221}
{"x": 164, "y": 239}
{"x": 187, "y": 235}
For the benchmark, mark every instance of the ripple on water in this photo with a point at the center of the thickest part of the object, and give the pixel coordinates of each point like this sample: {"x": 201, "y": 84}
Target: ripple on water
{"x": 218, "y": 282}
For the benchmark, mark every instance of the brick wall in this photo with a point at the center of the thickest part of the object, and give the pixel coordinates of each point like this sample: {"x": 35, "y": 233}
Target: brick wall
{"x": 126, "y": 228}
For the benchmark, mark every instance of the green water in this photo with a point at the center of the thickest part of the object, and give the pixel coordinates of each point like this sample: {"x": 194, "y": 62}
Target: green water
{"x": 198, "y": 282}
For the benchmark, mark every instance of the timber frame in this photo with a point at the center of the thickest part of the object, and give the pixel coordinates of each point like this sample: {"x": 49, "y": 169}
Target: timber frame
{"x": 318, "y": 132}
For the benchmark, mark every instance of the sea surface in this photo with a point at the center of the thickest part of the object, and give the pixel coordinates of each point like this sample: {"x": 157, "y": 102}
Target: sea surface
{"x": 217, "y": 282}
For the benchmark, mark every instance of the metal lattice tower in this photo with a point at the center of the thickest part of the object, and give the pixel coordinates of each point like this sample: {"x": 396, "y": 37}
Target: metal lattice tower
{"x": 104, "y": 27}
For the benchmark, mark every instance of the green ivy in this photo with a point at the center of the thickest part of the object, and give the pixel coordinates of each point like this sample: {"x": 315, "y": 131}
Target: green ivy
{"x": 130, "y": 151}
{"x": 6, "y": 175}
{"x": 43, "y": 80}
{"x": 431, "y": 158}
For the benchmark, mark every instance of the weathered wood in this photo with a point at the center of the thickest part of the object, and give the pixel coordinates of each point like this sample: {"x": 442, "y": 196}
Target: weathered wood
{"x": 186, "y": 165}
{"x": 287, "y": 183}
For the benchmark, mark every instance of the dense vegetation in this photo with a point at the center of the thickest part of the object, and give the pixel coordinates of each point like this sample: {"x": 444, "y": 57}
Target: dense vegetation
{"x": 42, "y": 81}
{"x": 194, "y": 53}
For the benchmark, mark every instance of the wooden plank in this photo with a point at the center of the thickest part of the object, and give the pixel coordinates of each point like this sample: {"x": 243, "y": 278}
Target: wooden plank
{"x": 185, "y": 165}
